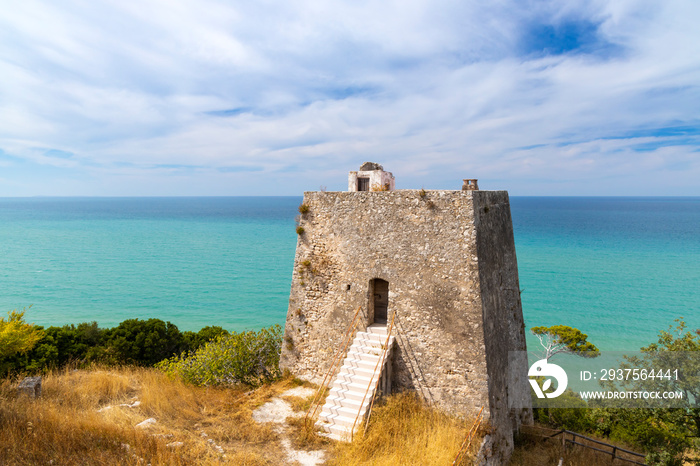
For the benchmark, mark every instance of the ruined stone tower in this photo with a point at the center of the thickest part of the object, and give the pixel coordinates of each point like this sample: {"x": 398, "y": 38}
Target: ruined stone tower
{"x": 442, "y": 264}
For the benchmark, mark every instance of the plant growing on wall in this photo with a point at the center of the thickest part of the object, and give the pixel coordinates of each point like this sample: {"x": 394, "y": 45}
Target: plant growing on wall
{"x": 380, "y": 187}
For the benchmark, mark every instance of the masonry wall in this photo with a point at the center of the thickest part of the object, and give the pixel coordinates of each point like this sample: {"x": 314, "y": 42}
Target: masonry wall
{"x": 449, "y": 259}
{"x": 504, "y": 327}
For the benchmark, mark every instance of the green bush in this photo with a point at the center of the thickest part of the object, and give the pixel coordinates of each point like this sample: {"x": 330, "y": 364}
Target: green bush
{"x": 568, "y": 411}
{"x": 143, "y": 342}
{"x": 68, "y": 344}
{"x": 16, "y": 339}
{"x": 193, "y": 341}
{"x": 134, "y": 341}
{"x": 17, "y": 336}
{"x": 250, "y": 358}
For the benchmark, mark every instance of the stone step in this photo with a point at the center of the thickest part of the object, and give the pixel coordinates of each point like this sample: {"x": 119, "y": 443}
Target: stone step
{"x": 333, "y": 411}
{"x": 368, "y": 349}
{"x": 365, "y": 361}
{"x": 378, "y": 329}
{"x": 361, "y": 370}
{"x": 376, "y": 345}
{"x": 353, "y": 403}
{"x": 378, "y": 337}
{"x": 358, "y": 352}
{"x": 335, "y": 432}
{"x": 342, "y": 417}
{"x": 349, "y": 390}
{"x": 350, "y": 384}
{"x": 355, "y": 383}
{"x": 353, "y": 375}
{"x": 369, "y": 337}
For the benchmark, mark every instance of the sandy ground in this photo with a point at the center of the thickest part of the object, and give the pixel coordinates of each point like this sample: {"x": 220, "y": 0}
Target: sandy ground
{"x": 277, "y": 411}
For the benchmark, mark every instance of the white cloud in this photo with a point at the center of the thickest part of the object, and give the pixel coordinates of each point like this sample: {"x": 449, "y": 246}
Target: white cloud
{"x": 278, "y": 96}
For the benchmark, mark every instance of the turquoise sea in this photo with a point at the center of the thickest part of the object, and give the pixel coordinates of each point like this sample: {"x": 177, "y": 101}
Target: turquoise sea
{"x": 619, "y": 269}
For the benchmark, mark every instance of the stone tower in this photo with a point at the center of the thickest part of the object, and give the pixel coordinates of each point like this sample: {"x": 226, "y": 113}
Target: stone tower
{"x": 442, "y": 264}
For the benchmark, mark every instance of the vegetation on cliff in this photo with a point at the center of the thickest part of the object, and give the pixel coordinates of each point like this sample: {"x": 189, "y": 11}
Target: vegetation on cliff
{"x": 201, "y": 396}
{"x": 668, "y": 431}
{"x": 250, "y": 358}
{"x": 17, "y": 336}
{"x": 134, "y": 341}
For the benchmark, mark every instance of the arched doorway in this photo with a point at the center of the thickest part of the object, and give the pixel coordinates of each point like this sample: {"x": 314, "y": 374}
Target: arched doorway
{"x": 380, "y": 300}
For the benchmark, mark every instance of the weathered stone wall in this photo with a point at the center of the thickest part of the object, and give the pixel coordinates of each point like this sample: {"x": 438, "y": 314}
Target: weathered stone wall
{"x": 449, "y": 259}
{"x": 504, "y": 327}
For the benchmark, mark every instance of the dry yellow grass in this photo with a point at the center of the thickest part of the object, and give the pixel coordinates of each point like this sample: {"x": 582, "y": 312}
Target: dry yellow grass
{"x": 404, "y": 431}
{"x": 69, "y": 425}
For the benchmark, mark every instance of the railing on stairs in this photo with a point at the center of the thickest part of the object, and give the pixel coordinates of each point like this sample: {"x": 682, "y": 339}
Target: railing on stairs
{"x": 471, "y": 433}
{"x": 338, "y": 358}
{"x": 378, "y": 365}
{"x": 412, "y": 364}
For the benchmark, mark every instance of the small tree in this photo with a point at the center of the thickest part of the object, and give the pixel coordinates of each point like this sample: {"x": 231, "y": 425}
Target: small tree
{"x": 668, "y": 429}
{"x": 143, "y": 342}
{"x": 17, "y": 336}
{"x": 562, "y": 339}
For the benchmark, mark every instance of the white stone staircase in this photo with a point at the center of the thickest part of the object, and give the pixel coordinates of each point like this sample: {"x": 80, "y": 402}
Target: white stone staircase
{"x": 345, "y": 398}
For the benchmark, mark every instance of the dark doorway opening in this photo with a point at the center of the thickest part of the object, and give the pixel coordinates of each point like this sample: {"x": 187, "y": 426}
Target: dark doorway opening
{"x": 363, "y": 184}
{"x": 380, "y": 291}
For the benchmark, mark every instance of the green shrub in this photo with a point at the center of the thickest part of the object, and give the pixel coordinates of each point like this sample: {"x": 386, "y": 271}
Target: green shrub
{"x": 143, "y": 342}
{"x": 568, "y": 411}
{"x": 134, "y": 341}
{"x": 68, "y": 344}
{"x": 250, "y": 358}
{"x": 193, "y": 341}
{"x": 17, "y": 336}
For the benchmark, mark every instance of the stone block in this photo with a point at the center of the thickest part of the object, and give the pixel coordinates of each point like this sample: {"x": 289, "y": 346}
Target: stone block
{"x": 30, "y": 386}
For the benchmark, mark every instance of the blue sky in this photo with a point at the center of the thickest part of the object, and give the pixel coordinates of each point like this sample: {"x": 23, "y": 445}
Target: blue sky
{"x": 156, "y": 97}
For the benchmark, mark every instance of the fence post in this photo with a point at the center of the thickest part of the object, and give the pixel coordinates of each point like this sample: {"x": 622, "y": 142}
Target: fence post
{"x": 563, "y": 442}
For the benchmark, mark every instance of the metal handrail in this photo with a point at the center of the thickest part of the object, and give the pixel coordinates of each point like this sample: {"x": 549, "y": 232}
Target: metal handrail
{"x": 349, "y": 334}
{"x": 416, "y": 370}
{"x": 374, "y": 396}
{"x": 468, "y": 439}
{"x": 380, "y": 360}
{"x": 613, "y": 453}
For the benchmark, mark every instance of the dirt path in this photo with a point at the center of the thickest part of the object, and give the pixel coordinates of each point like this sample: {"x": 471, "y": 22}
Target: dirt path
{"x": 276, "y": 411}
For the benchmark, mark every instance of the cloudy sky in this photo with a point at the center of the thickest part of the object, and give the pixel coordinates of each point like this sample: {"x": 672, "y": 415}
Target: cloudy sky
{"x": 270, "y": 97}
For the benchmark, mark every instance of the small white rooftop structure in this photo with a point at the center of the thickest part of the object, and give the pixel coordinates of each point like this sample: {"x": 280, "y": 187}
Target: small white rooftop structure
{"x": 371, "y": 177}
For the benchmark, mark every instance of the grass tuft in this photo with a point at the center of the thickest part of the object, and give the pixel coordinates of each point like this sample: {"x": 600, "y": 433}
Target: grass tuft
{"x": 404, "y": 431}
{"x": 71, "y": 424}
